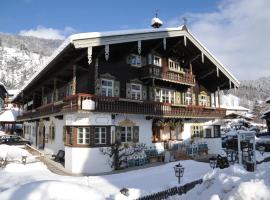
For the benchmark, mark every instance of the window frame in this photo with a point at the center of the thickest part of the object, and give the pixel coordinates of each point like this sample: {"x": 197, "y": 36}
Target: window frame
{"x": 188, "y": 98}
{"x": 132, "y": 91}
{"x": 83, "y": 138}
{"x": 126, "y": 134}
{"x": 160, "y": 61}
{"x": 99, "y": 133}
{"x": 107, "y": 88}
{"x": 203, "y": 100}
{"x": 137, "y": 58}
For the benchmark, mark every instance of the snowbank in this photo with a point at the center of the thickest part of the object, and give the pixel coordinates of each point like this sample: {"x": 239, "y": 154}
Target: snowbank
{"x": 47, "y": 189}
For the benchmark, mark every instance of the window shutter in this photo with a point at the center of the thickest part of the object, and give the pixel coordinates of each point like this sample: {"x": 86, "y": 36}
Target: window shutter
{"x": 193, "y": 99}
{"x": 128, "y": 91}
{"x": 144, "y": 61}
{"x": 208, "y": 101}
{"x": 98, "y": 87}
{"x": 151, "y": 93}
{"x": 183, "y": 98}
{"x": 200, "y": 100}
{"x": 150, "y": 59}
{"x": 118, "y": 133}
{"x": 116, "y": 88}
{"x": 177, "y": 97}
{"x": 144, "y": 92}
{"x": 129, "y": 59}
{"x": 64, "y": 134}
{"x": 135, "y": 134}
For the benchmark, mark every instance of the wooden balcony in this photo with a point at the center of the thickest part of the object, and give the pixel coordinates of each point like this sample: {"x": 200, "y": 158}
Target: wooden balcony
{"x": 87, "y": 102}
{"x": 152, "y": 71}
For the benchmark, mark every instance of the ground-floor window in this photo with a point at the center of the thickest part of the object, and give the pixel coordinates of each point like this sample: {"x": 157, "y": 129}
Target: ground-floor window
{"x": 197, "y": 131}
{"x": 216, "y": 131}
{"x": 208, "y": 132}
{"x": 83, "y": 136}
{"x": 126, "y": 134}
{"x": 100, "y": 135}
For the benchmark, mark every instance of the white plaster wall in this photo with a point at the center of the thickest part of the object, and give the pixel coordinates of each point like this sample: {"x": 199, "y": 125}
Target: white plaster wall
{"x": 52, "y": 147}
{"x": 88, "y": 119}
{"x": 86, "y": 160}
{"x": 31, "y": 133}
{"x": 145, "y": 126}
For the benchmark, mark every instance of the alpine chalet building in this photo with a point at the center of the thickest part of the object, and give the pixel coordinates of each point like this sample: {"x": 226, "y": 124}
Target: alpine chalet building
{"x": 152, "y": 86}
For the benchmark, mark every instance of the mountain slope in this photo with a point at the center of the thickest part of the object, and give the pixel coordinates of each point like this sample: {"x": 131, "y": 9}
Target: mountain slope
{"x": 21, "y": 56}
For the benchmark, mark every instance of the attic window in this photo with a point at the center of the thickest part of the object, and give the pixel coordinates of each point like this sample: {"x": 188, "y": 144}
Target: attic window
{"x": 157, "y": 60}
{"x": 135, "y": 60}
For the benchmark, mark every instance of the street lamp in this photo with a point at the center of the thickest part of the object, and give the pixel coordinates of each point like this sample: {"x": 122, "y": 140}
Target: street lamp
{"x": 179, "y": 171}
{"x": 261, "y": 149}
{"x": 213, "y": 162}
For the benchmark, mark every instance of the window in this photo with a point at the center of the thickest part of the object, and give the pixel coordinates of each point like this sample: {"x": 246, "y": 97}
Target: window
{"x": 203, "y": 100}
{"x": 126, "y": 132}
{"x": 136, "y": 91}
{"x": 52, "y": 133}
{"x": 157, "y": 61}
{"x": 164, "y": 95}
{"x": 107, "y": 87}
{"x": 197, "y": 131}
{"x": 83, "y": 135}
{"x": 135, "y": 60}
{"x": 100, "y": 135}
{"x": 175, "y": 66}
{"x": 208, "y": 132}
{"x": 188, "y": 98}
{"x": 216, "y": 131}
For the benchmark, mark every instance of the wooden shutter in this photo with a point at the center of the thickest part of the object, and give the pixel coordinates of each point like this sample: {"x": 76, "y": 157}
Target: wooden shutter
{"x": 144, "y": 92}
{"x": 118, "y": 133}
{"x": 193, "y": 99}
{"x": 116, "y": 88}
{"x": 177, "y": 98}
{"x": 64, "y": 134}
{"x": 183, "y": 98}
{"x": 151, "y": 93}
{"x": 98, "y": 87}
{"x": 128, "y": 91}
{"x": 150, "y": 59}
{"x": 135, "y": 134}
{"x": 129, "y": 59}
{"x": 144, "y": 61}
{"x": 200, "y": 100}
{"x": 208, "y": 101}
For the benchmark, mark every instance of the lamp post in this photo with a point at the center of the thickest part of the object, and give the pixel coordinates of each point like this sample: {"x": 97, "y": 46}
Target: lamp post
{"x": 261, "y": 149}
{"x": 179, "y": 171}
{"x": 213, "y": 162}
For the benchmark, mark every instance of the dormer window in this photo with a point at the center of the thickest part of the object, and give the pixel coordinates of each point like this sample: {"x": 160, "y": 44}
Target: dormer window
{"x": 157, "y": 61}
{"x": 135, "y": 60}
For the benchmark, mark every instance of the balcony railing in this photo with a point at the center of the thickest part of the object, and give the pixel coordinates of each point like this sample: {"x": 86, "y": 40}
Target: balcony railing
{"x": 87, "y": 102}
{"x": 152, "y": 71}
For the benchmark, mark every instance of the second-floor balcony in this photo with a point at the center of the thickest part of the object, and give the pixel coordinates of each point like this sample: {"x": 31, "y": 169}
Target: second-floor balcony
{"x": 113, "y": 105}
{"x": 152, "y": 71}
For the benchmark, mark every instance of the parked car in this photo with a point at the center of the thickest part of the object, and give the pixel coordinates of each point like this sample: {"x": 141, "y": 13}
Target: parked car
{"x": 14, "y": 140}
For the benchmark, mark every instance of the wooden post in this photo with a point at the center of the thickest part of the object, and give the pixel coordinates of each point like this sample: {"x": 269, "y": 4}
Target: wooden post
{"x": 74, "y": 80}
{"x": 218, "y": 98}
{"x": 42, "y": 95}
{"x": 54, "y": 89}
{"x": 215, "y": 101}
{"x": 190, "y": 68}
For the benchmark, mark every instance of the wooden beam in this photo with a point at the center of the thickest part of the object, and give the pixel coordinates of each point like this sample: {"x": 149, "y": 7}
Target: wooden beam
{"x": 82, "y": 68}
{"x": 207, "y": 74}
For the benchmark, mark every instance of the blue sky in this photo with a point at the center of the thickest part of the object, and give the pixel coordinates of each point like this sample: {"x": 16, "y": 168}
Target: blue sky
{"x": 235, "y": 31}
{"x": 84, "y": 16}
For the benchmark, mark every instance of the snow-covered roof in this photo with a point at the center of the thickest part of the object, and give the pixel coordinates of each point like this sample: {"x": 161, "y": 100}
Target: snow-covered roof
{"x": 9, "y": 115}
{"x": 139, "y": 35}
{"x": 240, "y": 108}
{"x": 156, "y": 20}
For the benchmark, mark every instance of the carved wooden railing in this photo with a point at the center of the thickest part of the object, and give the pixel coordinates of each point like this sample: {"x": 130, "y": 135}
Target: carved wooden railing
{"x": 88, "y": 102}
{"x": 152, "y": 71}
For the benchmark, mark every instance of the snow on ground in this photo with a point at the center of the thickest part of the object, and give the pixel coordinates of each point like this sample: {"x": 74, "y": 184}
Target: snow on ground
{"x": 233, "y": 183}
{"x": 32, "y": 181}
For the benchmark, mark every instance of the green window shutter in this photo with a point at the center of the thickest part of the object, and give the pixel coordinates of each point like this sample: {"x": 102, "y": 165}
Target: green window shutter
{"x": 183, "y": 98}
{"x": 128, "y": 91}
{"x": 144, "y": 92}
{"x": 116, "y": 88}
{"x": 151, "y": 94}
{"x": 208, "y": 101}
{"x": 193, "y": 99}
{"x": 64, "y": 134}
{"x": 98, "y": 87}
{"x": 135, "y": 134}
{"x": 177, "y": 98}
{"x": 118, "y": 133}
{"x": 129, "y": 59}
{"x": 144, "y": 61}
{"x": 200, "y": 100}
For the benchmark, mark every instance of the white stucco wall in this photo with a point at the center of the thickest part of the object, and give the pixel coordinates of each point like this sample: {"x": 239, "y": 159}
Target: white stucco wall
{"x": 52, "y": 147}
{"x": 145, "y": 126}
{"x": 86, "y": 160}
{"x": 88, "y": 119}
{"x": 30, "y": 133}
{"x": 214, "y": 145}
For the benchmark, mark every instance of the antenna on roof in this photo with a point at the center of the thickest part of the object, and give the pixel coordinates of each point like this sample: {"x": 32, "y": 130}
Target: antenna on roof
{"x": 156, "y": 22}
{"x": 185, "y": 23}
